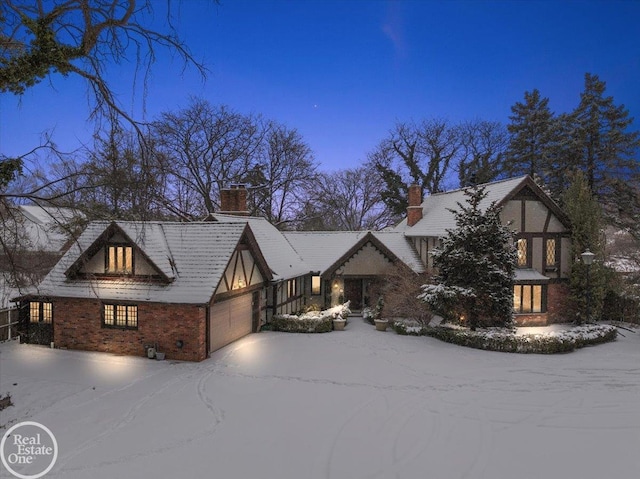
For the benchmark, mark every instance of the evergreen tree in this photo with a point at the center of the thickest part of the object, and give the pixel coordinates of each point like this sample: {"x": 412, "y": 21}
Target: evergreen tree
{"x": 476, "y": 266}
{"x": 585, "y": 214}
{"x": 531, "y": 130}
{"x": 597, "y": 140}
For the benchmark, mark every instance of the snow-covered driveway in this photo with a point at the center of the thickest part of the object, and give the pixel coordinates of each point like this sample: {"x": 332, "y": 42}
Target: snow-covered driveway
{"x": 352, "y": 404}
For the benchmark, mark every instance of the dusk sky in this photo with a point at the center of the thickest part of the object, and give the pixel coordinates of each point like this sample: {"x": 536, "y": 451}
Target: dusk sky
{"x": 343, "y": 72}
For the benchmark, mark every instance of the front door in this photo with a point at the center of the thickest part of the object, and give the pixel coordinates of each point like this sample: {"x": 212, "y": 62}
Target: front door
{"x": 353, "y": 293}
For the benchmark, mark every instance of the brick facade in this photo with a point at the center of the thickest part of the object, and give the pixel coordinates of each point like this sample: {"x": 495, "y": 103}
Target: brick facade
{"x": 557, "y": 302}
{"x": 557, "y": 296}
{"x": 78, "y": 325}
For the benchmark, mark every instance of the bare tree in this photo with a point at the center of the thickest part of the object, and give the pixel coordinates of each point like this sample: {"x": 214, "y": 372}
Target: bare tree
{"x": 348, "y": 200}
{"x": 206, "y": 147}
{"x": 420, "y": 153}
{"x": 283, "y": 176}
{"x": 484, "y": 145}
{"x": 82, "y": 37}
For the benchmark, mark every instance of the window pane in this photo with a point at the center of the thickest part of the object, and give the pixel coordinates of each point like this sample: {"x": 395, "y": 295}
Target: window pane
{"x": 551, "y": 252}
{"x": 47, "y": 312}
{"x": 517, "y": 297}
{"x": 108, "y": 315}
{"x": 111, "y": 253}
{"x": 315, "y": 285}
{"x": 128, "y": 263}
{"x": 537, "y": 299}
{"x": 121, "y": 315}
{"x": 526, "y": 298}
{"x": 522, "y": 252}
{"x": 119, "y": 258}
{"x": 132, "y": 314}
{"x": 34, "y": 312}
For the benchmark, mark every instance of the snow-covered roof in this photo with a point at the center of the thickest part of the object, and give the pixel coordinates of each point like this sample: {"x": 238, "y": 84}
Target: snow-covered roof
{"x": 282, "y": 258}
{"x": 42, "y": 227}
{"x": 530, "y": 275}
{"x": 321, "y": 249}
{"x": 437, "y": 217}
{"x": 193, "y": 256}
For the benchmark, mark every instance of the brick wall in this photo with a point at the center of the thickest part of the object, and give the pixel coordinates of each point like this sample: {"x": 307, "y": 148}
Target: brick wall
{"x": 557, "y": 302}
{"x": 78, "y": 325}
{"x": 532, "y": 319}
{"x": 557, "y": 297}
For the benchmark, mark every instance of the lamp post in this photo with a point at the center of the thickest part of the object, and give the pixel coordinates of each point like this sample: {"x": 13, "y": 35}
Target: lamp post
{"x": 587, "y": 259}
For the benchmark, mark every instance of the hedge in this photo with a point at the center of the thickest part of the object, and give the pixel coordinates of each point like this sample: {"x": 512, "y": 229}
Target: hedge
{"x": 294, "y": 324}
{"x": 563, "y": 342}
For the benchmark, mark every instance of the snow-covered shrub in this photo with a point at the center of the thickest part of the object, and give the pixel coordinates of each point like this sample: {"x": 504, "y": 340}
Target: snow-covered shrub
{"x": 371, "y": 314}
{"x": 505, "y": 340}
{"x": 476, "y": 266}
{"x": 409, "y": 328}
{"x": 312, "y": 321}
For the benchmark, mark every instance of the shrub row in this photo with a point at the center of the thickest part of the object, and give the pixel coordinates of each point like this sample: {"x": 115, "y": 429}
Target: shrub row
{"x": 405, "y": 329}
{"x": 311, "y": 321}
{"x": 539, "y": 344}
{"x": 296, "y": 324}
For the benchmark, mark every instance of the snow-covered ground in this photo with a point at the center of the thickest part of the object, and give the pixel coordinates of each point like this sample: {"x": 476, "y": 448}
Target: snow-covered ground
{"x": 352, "y": 404}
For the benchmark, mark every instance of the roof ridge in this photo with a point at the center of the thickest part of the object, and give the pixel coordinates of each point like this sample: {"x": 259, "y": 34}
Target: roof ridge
{"x": 457, "y": 190}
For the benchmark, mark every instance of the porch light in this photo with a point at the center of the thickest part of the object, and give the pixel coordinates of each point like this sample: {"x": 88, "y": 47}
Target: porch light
{"x": 587, "y": 259}
{"x": 241, "y": 283}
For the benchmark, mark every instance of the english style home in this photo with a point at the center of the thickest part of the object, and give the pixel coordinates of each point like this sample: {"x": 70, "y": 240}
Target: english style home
{"x": 188, "y": 289}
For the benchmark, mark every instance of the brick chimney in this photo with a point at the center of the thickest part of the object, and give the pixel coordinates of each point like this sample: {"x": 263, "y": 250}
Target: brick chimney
{"x": 233, "y": 200}
{"x": 414, "y": 211}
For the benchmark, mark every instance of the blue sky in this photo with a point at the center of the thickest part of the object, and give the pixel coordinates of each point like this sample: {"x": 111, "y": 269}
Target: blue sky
{"x": 343, "y": 72}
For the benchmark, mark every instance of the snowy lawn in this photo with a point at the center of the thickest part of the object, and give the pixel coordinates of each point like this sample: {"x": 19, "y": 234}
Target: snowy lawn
{"x": 352, "y": 404}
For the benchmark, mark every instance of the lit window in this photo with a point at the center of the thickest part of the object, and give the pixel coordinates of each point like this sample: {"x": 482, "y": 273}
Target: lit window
{"x": 522, "y": 252}
{"x": 315, "y": 285}
{"x": 292, "y": 286}
{"x": 528, "y": 298}
{"x": 40, "y": 312}
{"x": 120, "y": 316}
{"x": 551, "y": 252}
{"x": 119, "y": 259}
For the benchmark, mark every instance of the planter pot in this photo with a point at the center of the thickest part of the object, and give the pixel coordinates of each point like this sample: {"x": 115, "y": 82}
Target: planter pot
{"x": 159, "y": 356}
{"x": 381, "y": 324}
{"x": 338, "y": 324}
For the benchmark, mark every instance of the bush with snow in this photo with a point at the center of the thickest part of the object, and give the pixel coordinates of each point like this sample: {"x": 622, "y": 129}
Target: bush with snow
{"x": 510, "y": 341}
{"x": 476, "y": 266}
{"x": 410, "y": 328}
{"x": 311, "y": 321}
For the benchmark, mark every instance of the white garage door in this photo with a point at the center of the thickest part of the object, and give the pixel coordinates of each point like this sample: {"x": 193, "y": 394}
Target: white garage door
{"x": 230, "y": 320}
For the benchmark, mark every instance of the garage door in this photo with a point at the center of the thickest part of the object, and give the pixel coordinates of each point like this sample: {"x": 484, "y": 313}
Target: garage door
{"x": 230, "y": 320}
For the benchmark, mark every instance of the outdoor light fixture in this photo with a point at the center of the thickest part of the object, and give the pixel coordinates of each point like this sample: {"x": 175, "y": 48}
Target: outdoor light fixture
{"x": 587, "y": 259}
{"x": 179, "y": 343}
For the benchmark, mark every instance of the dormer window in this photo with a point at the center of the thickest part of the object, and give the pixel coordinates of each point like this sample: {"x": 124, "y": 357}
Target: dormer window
{"x": 119, "y": 259}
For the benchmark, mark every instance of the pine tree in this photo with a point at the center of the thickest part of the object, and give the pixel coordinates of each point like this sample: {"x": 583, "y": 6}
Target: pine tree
{"x": 476, "y": 266}
{"x": 531, "y": 130}
{"x": 598, "y": 141}
{"x": 584, "y": 211}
